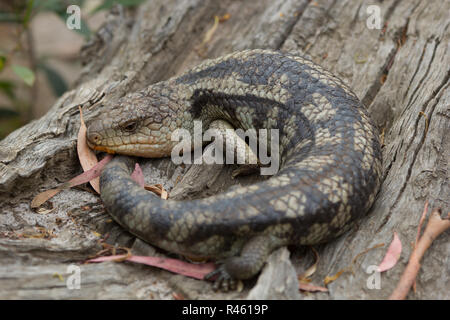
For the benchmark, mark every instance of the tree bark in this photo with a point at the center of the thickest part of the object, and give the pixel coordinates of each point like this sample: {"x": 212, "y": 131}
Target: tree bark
{"x": 401, "y": 73}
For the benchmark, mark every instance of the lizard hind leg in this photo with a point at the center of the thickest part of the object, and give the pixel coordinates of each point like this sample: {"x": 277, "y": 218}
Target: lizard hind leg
{"x": 252, "y": 258}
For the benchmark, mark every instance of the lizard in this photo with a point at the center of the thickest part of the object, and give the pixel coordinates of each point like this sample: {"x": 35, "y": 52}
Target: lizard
{"x": 329, "y": 151}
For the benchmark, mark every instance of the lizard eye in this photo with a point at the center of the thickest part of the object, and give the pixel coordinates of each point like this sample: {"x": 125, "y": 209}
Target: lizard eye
{"x": 130, "y": 126}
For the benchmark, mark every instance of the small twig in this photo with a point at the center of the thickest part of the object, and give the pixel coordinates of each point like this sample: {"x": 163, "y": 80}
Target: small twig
{"x": 434, "y": 228}
{"x": 422, "y": 219}
{"x": 426, "y": 120}
{"x": 419, "y": 228}
{"x": 312, "y": 269}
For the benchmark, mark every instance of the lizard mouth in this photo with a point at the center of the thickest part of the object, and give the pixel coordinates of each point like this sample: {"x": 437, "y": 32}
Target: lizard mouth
{"x": 100, "y": 148}
{"x": 145, "y": 150}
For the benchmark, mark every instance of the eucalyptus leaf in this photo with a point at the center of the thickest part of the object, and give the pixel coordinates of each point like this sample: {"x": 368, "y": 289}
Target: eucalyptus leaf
{"x": 84, "y": 30}
{"x": 27, "y": 14}
{"x": 2, "y": 62}
{"x": 24, "y": 73}
{"x": 6, "y": 112}
{"x": 7, "y": 87}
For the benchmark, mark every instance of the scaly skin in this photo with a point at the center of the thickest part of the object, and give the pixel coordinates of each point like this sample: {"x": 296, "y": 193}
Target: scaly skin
{"x": 329, "y": 150}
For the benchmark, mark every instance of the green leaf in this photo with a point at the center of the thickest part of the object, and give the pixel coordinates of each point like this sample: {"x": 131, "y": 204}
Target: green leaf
{"x": 7, "y": 88}
{"x": 84, "y": 30}
{"x": 56, "y": 81}
{"x": 2, "y": 62}
{"x": 27, "y": 15}
{"x": 6, "y": 112}
{"x": 24, "y": 73}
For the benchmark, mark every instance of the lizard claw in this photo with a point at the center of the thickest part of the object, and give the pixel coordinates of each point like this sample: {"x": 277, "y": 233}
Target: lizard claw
{"x": 222, "y": 279}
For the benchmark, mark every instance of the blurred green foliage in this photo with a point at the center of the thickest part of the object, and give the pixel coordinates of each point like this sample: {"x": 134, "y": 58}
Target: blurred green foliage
{"x": 20, "y": 13}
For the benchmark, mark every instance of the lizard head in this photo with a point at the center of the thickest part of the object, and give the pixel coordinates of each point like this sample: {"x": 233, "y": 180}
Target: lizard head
{"x": 138, "y": 124}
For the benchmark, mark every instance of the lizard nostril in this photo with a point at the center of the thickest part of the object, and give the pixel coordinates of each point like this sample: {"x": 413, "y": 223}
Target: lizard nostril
{"x": 94, "y": 137}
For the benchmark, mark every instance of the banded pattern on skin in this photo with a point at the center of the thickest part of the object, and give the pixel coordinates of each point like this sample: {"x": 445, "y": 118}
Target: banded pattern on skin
{"x": 329, "y": 151}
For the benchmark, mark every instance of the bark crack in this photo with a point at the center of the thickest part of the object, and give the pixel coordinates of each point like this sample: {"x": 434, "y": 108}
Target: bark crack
{"x": 383, "y": 73}
{"x": 435, "y": 95}
{"x": 419, "y": 63}
{"x": 291, "y": 26}
{"x": 414, "y": 94}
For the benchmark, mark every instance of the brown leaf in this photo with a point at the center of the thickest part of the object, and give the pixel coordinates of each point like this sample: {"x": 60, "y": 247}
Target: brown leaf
{"x": 196, "y": 271}
{"x": 137, "y": 175}
{"x": 43, "y": 196}
{"x": 310, "y": 287}
{"x": 312, "y": 269}
{"x": 158, "y": 189}
{"x": 392, "y": 254}
{"x": 210, "y": 32}
{"x": 87, "y": 157}
{"x": 178, "y": 296}
{"x": 329, "y": 279}
{"x": 225, "y": 17}
{"x": 86, "y": 176}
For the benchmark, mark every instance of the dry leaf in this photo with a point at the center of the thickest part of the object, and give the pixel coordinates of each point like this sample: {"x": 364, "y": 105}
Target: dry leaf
{"x": 92, "y": 168}
{"x": 137, "y": 175}
{"x": 392, "y": 254}
{"x": 311, "y": 288}
{"x": 59, "y": 276}
{"x": 225, "y": 17}
{"x": 312, "y": 269}
{"x": 86, "y": 176}
{"x": 45, "y": 210}
{"x": 329, "y": 279}
{"x": 211, "y": 31}
{"x": 43, "y": 196}
{"x": 196, "y": 271}
{"x": 158, "y": 189}
{"x": 178, "y": 296}
{"x": 164, "y": 194}
{"x": 87, "y": 157}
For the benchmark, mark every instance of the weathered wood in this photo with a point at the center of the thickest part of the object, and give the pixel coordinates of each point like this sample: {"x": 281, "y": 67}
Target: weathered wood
{"x": 278, "y": 279}
{"x": 401, "y": 73}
